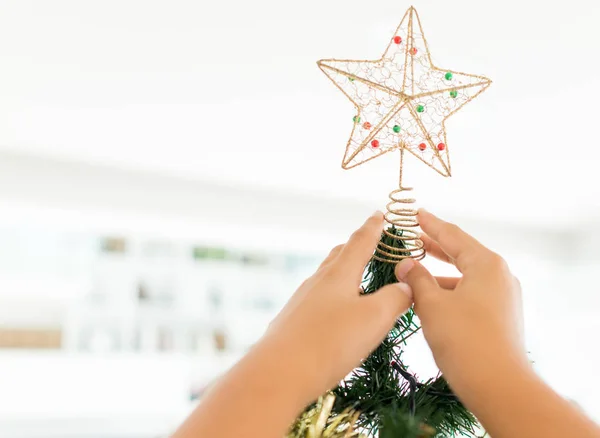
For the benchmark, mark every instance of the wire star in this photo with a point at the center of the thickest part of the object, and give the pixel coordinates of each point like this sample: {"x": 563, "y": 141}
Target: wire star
{"x": 402, "y": 99}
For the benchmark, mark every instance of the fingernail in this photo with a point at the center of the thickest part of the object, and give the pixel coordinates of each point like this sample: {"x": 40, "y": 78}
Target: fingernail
{"x": 406, "y": 289}
{"x": 378, "y": 214}
{"x": 403, "y": 268}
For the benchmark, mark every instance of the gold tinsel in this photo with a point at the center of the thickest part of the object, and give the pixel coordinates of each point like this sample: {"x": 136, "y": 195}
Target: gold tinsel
{"x": 318, "y": 422}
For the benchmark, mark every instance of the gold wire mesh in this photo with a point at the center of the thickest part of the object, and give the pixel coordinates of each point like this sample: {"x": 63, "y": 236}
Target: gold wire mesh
{"x": 402, "y": 102}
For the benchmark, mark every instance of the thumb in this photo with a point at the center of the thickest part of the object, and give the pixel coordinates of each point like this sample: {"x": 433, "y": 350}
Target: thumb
{"x": 391, "y": 301}
{"x": 379, "y": 311}
{"x": 417, "y": 276}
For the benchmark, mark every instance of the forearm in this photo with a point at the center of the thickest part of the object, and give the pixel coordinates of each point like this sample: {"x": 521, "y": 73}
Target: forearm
{"x": 259, "y": 397}
{"x": 512, "y": 402}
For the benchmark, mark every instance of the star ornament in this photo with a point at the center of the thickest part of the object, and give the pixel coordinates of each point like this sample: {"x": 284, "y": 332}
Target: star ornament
{"x": 402, "y": 99}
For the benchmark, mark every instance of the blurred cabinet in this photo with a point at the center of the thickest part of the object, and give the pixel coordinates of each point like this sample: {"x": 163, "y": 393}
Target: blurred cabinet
{"x": 82, "y": 292}
{"x": 30, "y": 338}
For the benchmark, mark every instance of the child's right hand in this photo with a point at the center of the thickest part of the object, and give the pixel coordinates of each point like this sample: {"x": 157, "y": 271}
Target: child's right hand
{"x": 472, "y": 324}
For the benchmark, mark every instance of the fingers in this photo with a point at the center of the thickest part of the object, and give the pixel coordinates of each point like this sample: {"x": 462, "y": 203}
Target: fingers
{"x": 332, "y": 255}
{"x": 449, "y": 283}
{"x": 360, "y": 247}
{"x": 433, "y": 248}
{"x": 417, "y": 277}
{"x": 459, "y": 245}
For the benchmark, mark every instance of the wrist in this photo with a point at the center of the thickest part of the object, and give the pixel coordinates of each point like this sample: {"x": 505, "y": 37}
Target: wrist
{"x": 490, "y": 370}
{"x": 510, "y": 400}
{"x": 294, "y": 371}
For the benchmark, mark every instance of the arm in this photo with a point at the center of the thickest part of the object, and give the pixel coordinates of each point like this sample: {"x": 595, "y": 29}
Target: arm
{"x": 295, "y": 363}
{"x": 519, "y": 404}
{"x": 473, "y": 325}
{"x": 259, "y": 397}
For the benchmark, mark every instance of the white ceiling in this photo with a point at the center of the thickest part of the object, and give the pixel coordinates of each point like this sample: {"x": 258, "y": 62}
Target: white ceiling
{"x": 229, "y": 91}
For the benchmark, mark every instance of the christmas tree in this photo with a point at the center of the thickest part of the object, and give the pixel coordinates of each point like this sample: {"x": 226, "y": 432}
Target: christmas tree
{"x": 381, "y": 397}
{"x": 402, "y": 102}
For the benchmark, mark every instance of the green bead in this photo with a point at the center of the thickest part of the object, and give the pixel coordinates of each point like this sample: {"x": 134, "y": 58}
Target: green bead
{"x": 396, "y": 129}
{"x": 356, "y": 119}
{"x": 350, "y": 78}
{"x": 453, "y": 94}
{"x": 448, "y": 76}
{"x": 420, "y": 108}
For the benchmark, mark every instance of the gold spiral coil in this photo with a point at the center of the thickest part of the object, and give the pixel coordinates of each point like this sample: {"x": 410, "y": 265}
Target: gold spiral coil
{"x": 404, "y": 239}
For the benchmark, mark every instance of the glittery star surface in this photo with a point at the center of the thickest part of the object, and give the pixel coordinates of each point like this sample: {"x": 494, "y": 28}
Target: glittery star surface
{"x": 402, "y": 99}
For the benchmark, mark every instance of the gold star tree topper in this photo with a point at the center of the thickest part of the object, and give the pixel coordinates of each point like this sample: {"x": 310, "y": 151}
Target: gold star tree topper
{"x": 402, "y": 99}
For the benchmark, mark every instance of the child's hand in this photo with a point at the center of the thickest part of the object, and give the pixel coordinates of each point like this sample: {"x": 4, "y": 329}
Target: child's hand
{"x": 327, "y": 326}
{"x": 473, "y": 324}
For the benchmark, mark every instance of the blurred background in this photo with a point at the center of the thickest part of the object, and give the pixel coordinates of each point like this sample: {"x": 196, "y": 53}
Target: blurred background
{"x": 170, "y": 173}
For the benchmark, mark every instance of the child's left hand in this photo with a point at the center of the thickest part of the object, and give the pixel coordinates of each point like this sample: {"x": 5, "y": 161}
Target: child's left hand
{"x": 323, "y": 332}
{"x": 327, "y": 326}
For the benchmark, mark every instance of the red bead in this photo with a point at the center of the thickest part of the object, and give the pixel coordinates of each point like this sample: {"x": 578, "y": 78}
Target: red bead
{"x": 397, "y": 39}
{"x": 367, "y": 125}
{"x": 422, "y": 146}
{"x": 413, "y": 51}
{"x": 441, "y": 147}
{"x": 375, "y": 143}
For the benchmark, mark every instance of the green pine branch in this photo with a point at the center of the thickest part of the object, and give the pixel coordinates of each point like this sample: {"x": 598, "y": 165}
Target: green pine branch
{"x": 391, "y": 401}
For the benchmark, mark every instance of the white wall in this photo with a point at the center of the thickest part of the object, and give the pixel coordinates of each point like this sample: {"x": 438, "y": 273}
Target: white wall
{"x": 557, "y": 268}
